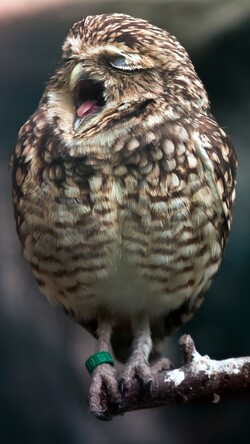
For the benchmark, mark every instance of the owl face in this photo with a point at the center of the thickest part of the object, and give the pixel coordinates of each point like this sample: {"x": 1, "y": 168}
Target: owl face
{"x": 114, "y": 67}
{"x": 109, "y": 79}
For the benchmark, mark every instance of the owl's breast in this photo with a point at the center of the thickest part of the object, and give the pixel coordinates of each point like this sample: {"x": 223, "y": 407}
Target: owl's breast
{"x": 122, "y": 245}
{"x": 167, "y": 250}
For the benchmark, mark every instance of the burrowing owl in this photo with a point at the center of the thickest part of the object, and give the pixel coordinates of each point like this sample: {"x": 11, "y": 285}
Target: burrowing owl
{"x": 123, "y": 186}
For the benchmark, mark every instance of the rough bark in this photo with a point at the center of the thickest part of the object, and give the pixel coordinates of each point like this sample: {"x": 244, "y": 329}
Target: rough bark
{"x": 199, "y": 378}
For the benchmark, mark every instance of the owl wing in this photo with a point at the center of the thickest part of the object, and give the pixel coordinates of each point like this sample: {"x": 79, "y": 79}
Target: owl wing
{"x": 26, "y": 161}
{"x": 216, "y": 152}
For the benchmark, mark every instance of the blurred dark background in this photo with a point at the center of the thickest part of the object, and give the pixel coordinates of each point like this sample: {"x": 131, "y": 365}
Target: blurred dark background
{"x": 43, "y": 382}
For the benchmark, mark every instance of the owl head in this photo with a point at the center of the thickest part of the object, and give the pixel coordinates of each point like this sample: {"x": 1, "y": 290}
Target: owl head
{"x": 117, "y": 70}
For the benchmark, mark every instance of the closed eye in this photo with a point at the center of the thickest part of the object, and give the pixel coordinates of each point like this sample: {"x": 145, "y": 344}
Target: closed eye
{"x": 121, "y": 63}
{"x": 118, "y": 62}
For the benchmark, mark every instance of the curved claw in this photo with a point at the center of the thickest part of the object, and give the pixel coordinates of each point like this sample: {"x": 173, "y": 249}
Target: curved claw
{"x": 121, "y": 386}
{"x": 102, "y": 416}
{"x": 149, "y": 387}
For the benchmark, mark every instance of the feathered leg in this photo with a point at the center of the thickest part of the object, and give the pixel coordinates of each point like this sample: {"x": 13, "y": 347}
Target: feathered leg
{"x": 104, "y": 385}
{"x": 144, "y": 350}
{"x": 138, "y": 365}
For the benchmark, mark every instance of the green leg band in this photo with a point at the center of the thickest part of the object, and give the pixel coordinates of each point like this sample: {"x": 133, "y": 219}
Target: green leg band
{"x": 98, "y": 359}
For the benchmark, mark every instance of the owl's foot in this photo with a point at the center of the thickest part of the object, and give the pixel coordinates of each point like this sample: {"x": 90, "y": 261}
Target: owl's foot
{"x": 144, "y": 372}
{"x": 135, "y": 368}
{"x": 104, "y": 392}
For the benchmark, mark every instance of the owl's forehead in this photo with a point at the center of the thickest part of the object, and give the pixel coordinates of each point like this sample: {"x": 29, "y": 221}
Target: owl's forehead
{"x": 118, "y": 30}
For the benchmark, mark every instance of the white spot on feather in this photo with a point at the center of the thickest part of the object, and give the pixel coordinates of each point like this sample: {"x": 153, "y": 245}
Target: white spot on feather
{"x": 117, "y": 193}
{"x": 192, "y": 160}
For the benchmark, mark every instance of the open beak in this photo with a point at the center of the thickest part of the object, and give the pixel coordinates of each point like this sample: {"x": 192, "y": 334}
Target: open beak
{"x": 87, "y": 96}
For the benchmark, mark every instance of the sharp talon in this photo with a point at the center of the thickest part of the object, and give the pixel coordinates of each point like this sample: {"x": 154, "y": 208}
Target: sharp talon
{"x": 102, "y": 416}
{"x": 149, "y": 387}
{"x": 121, "y": 386}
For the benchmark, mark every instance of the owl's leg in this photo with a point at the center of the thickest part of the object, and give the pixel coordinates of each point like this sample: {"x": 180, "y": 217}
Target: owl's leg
{"x": 104, "y": 385}
{"x": 138, "y": 365}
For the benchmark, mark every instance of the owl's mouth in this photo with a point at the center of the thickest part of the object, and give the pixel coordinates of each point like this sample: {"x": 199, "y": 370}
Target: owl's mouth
{"x": 88, "y": 100}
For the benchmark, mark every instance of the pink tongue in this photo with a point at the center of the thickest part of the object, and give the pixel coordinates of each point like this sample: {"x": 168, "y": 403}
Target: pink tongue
{"x": 86, "y": 108}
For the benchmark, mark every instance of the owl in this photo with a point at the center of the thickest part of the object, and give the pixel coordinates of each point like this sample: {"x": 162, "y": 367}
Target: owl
{"x": 123, "y": 185}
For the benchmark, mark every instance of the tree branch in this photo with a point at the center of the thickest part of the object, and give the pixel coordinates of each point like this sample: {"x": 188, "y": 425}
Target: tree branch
{"x": 199, "y": 378}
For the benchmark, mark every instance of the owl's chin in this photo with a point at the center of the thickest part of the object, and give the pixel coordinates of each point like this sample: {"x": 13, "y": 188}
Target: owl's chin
{"x": 88, "y": 100}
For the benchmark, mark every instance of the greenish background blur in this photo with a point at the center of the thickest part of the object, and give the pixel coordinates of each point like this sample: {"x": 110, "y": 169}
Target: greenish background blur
{"x": 43, "y": 382}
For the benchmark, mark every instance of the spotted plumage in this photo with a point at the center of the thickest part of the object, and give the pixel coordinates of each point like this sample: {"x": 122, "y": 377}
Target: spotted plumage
{"x": 123, "y": 185}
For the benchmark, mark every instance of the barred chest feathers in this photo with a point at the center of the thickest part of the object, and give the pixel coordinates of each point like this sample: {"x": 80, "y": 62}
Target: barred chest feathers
{"x": 132, "y": 228}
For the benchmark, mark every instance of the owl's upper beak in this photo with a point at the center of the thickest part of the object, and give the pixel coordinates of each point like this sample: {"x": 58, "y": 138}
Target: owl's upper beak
{"x": 87, "y": 96}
